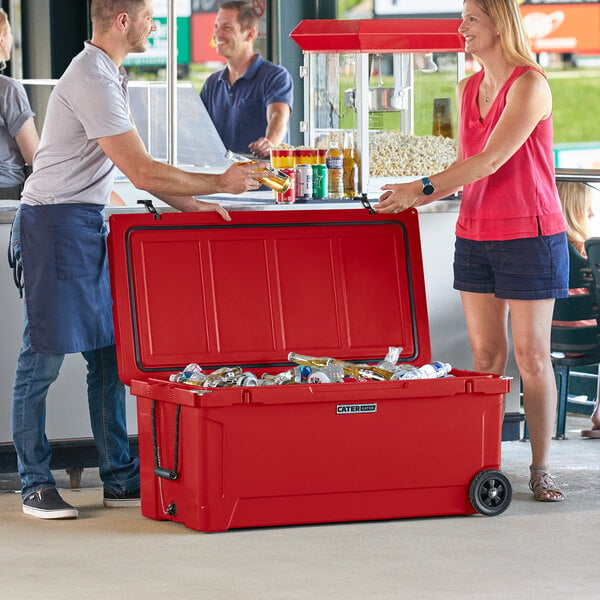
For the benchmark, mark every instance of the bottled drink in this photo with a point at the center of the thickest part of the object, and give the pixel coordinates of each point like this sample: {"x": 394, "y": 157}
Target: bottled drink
{"x": 334, "y": 160}
{"x": 350, "y": 167}
{"x": 283, "y": 378}
{"x": 356, "y": 371}
{"x": 428, "y": 371}
{"x": 390, "y": 362}
{"x": 442, "y": 119}
{"x": 192, "y": 375}
{"x": 266, "y": 174}
{"x": 327, "y": 374}
{"x": 223, "y": 377}
{"x": 308, "y": 361}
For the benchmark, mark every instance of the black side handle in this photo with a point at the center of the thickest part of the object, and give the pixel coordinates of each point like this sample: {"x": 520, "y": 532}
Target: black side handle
{"x": 165, "y": 473}
{"x": 159, "y": 470}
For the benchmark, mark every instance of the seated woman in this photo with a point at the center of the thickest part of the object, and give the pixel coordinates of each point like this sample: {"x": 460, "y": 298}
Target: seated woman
{"x": 576, "y": 201}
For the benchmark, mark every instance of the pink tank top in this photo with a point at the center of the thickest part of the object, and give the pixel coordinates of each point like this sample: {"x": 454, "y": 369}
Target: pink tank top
{"x": 520, "y": 199}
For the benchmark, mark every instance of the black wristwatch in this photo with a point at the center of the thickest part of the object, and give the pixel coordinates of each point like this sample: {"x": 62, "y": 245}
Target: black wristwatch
{"x": 428, "y": 188}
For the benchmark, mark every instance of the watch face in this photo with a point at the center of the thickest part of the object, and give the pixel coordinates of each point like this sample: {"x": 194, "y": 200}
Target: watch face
{"x": 428, "y": 188}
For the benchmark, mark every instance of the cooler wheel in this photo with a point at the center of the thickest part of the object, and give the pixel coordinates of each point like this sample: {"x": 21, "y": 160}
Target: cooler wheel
{"x": 490, "y": 493}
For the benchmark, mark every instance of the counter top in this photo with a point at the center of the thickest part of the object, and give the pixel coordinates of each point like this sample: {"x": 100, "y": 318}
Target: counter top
{"x": 265, "y": 201}
{"x": 251, "y": 201}
{"x": 261, "y": 201}
{"x": 7, "y": 210}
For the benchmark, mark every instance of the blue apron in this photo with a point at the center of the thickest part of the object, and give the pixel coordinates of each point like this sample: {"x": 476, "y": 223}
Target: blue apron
{"x": 65, "y": 273}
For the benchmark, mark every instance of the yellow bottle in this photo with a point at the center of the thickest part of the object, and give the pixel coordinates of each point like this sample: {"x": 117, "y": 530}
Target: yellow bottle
{"x": 334, "y": 160}
{"x": 442, "y": 119}
{"x": 350, "y": 167}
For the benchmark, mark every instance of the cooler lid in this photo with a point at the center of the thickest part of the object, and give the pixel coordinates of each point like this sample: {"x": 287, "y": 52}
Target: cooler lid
{"x": 189, "y": 287}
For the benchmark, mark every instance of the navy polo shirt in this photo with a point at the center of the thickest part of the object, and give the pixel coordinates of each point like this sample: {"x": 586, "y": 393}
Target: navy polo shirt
{"x": 239, "y": 111}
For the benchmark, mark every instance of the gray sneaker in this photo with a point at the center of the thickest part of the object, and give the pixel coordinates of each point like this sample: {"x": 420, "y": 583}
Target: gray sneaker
{"x": 47, "y": 504}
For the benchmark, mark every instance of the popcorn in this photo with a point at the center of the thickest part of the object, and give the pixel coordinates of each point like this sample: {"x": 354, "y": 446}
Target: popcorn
{"x": 395, "y": 154}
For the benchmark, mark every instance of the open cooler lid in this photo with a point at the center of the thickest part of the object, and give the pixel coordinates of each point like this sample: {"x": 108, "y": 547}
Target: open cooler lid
{"x": 189, "y": 287}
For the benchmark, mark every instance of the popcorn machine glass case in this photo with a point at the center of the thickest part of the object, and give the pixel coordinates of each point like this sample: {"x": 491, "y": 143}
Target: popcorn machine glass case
{"x": 391, "y": 84}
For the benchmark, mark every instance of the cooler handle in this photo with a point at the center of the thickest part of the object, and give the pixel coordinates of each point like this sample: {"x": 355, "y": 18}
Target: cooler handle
{"x": 159, "y": 471}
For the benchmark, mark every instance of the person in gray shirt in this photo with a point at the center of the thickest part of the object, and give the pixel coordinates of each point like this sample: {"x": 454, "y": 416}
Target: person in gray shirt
{"x": 61, "y": 243}
{"x": 18, "y": 136}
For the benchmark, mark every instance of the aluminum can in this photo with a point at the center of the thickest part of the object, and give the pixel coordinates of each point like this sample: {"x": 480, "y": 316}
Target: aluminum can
{"x": 319, "y": 181}
{"x": 304, "y": 182}
{"x": 288, "y": 196}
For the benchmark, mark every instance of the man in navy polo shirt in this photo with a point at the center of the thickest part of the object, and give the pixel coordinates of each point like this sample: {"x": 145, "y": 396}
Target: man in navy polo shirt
{"x": 250, "y": 100}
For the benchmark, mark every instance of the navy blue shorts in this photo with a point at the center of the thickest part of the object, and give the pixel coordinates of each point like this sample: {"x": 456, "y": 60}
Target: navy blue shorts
{"x": 522, "y": 269}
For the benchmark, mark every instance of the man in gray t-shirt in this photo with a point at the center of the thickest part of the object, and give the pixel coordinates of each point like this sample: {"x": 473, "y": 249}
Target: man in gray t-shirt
{"x": 61, "y": 241}
{"x": 15, "y": 112}
{"x": 18, "y": 135}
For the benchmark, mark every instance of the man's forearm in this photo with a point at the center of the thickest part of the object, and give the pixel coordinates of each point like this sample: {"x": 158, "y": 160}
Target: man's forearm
{"x": 277, "y": 123}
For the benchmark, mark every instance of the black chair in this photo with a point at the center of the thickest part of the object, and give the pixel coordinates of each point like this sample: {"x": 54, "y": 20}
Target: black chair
{"x": 576, "y": 346}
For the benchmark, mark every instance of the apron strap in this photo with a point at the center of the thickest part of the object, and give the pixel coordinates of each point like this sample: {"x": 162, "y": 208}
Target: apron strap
{"x": 14, "y": 262}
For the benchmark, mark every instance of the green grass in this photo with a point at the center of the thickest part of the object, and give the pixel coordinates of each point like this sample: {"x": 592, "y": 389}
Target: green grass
{"x": 576, "y": 94}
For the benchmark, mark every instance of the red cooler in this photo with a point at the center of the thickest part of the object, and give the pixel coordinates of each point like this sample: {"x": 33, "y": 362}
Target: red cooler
{"x": 340, "y": 283}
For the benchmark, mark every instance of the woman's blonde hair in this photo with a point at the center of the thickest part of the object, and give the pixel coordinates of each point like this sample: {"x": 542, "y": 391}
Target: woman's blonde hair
{"x": 576, "y": 201}
{"x": 506, "y": 17}
{"x": 3, "y": 30}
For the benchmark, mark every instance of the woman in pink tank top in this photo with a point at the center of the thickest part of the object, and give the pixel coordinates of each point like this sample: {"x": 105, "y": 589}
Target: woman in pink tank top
{"x": 511, "y": 251}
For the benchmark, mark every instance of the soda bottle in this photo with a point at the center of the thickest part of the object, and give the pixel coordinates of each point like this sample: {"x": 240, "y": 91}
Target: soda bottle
{"x": 272, "y": 178}
{"x": 350, "y": 167}
{"x": 334, "y": 160}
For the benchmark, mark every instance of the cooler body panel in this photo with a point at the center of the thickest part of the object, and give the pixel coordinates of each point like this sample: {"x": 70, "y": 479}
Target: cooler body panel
{"x": 319, "y": 455}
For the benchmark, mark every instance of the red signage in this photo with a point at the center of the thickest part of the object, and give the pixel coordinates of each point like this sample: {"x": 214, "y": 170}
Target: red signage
{"x": 563, "y": 27}
{"x": 203, "y": 44}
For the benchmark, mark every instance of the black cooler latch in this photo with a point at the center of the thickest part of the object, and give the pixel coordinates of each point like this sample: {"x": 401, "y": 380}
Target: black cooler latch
{"x": 365, "y": 202}
{"x": 148, "y": 204}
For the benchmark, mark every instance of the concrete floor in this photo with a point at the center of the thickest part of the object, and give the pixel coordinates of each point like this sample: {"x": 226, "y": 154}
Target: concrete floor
{"x": 533, "y": 550}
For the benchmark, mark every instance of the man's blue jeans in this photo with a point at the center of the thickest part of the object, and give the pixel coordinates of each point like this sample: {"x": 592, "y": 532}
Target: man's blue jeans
{"x": 106, "y": 398}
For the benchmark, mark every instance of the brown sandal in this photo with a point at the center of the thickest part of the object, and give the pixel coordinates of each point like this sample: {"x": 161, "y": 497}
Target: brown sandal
{"x": 543, "y": 486}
